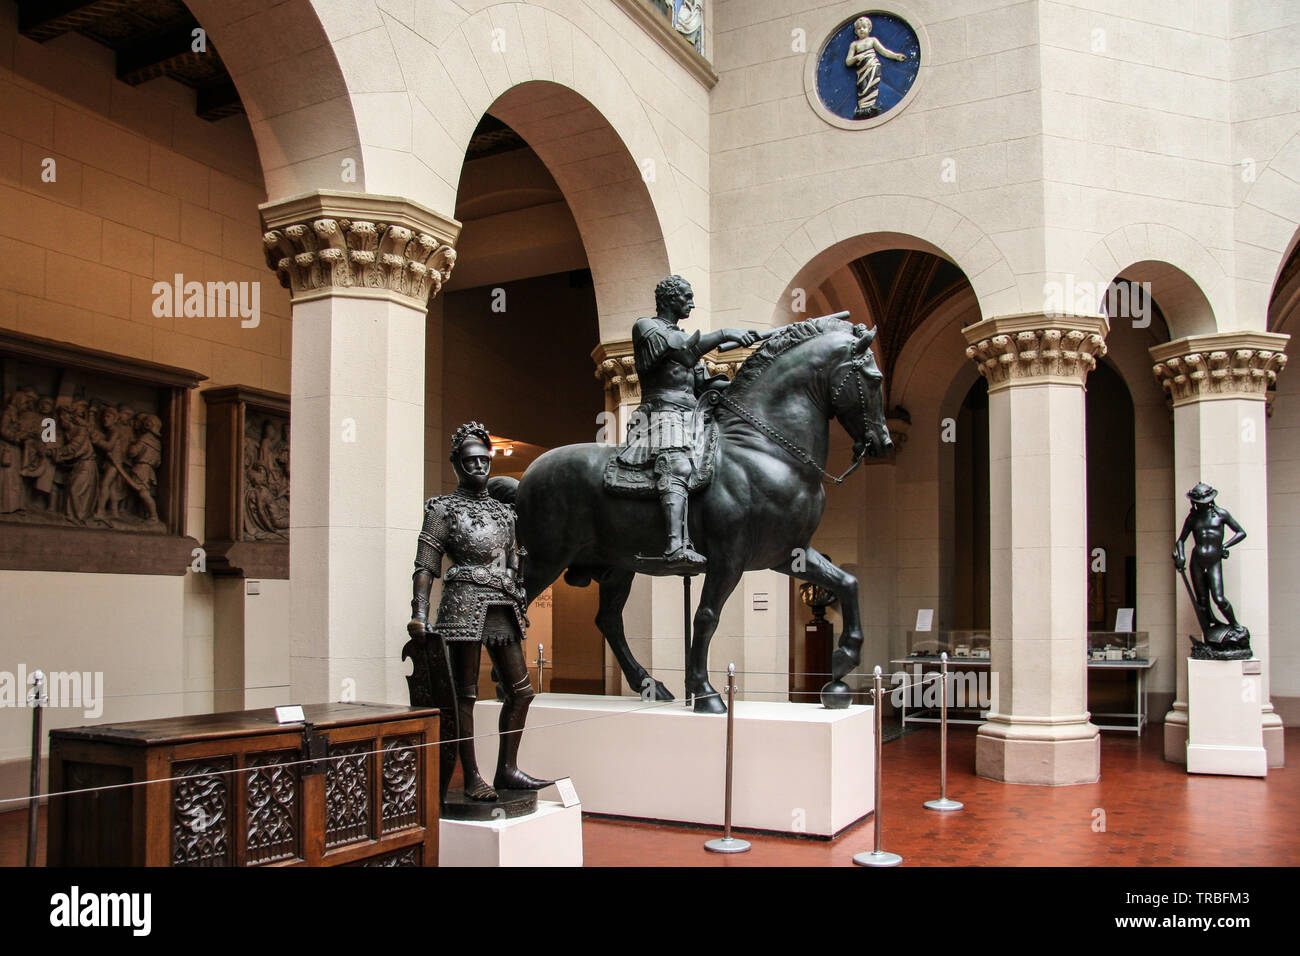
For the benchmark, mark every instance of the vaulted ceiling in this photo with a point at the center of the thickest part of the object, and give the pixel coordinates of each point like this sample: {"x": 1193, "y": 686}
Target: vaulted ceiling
{"x": 902, "y": 287}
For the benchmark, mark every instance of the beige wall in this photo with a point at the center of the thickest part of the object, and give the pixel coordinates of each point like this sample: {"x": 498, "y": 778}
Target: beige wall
{"x": 144, "y": 189}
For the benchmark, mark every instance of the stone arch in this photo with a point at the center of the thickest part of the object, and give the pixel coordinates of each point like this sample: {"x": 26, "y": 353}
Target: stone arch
{"x": 822, "y": 243}
{"x": 304, "y": 129}
{"x": 606, "y": 193}
{"x": 1186, "y": 280}
{"x": 419, "y": 81}
{"x": 1265, "y": 232}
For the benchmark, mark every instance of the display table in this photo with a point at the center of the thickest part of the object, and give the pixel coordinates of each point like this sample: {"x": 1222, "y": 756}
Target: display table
{"x": 799, "y": 768}
{"x": 914, "y": 692}
{"x": 231, "y": 794}
{"x": 551, "y": 836}
{"x": 1139, "y": 667}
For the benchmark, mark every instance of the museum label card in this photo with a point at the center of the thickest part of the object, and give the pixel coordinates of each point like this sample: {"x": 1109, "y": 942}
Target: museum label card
{"x": 924, "y": 618}
{"x": 290, "y": 715}
{"x": 568, "y": 792}
{"x": 1124, "y": 619}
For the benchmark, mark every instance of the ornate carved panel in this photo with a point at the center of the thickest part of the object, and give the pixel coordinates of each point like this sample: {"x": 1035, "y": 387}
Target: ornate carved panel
{"x": 401, "y": 778}
{"x": 91, "y": 445}
{"x": 408, "y": 857}
{"x": 347, "y": 793}
{"x": 274, "y": 811}
{"x": 201, "y": 813}
{"x": 247, "y": 515}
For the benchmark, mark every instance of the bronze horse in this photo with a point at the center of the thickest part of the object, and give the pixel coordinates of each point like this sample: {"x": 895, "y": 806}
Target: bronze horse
{"x": 760, "y": 510}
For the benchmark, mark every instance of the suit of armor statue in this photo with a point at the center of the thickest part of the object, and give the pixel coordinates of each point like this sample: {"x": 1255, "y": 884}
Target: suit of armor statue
{"x": 482, "y": 606}
{"x": 672, "y": 378}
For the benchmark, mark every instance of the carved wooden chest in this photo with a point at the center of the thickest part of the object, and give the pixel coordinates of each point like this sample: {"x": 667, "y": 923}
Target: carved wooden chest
{"x": 356, "y": 785}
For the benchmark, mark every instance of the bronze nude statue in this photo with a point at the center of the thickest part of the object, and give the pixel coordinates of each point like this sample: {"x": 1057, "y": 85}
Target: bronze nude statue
{"x": 1221, "y": 641}
{"x": 482, "y": 606}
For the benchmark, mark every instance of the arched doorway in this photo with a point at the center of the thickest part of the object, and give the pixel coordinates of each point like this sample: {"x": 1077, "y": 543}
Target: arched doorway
{"x": 559, "y": 236}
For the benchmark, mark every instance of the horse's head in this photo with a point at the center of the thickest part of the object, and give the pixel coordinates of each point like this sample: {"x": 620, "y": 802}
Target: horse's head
{"x": 858, "y": 397}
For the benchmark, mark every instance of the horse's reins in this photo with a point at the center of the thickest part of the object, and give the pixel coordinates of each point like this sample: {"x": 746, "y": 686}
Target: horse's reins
{"x": 785, "y": 443}
{"x": 856, "y": 366}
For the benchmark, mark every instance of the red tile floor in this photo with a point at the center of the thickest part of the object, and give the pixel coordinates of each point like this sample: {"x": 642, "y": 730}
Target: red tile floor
{"x": 1155, "y": 815}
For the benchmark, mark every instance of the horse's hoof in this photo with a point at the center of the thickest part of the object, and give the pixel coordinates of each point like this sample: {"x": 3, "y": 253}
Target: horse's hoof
{"x": 708, "y": 701}
{"x": 660, "y": 692}
{"x": 836, "y": 695}
{"x": 844, "y": 660}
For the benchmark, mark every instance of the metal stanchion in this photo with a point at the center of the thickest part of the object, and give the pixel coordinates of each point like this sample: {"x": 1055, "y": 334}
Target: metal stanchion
{"x": 686, "y": 630}
{"x": 541, "y": 662}
{"x": 943, "y": 803}
{"x": 728, "y": 843}
{"x": 37, "y": 698}
{"x": 878, "y": 857}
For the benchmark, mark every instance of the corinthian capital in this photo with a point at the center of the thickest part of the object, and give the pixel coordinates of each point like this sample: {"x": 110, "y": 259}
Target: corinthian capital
{"x": 616, "y": 370}
{"x": 1033, "y": 349}
{"x": 1225, "y": 365}
{"x": 327, "y": 243}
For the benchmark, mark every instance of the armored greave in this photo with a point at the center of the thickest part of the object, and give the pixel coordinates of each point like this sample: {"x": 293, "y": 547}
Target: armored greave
{"x": 465, "y": 660}
{"x": 510, "y": 666}
{"x": 674, "y": 500}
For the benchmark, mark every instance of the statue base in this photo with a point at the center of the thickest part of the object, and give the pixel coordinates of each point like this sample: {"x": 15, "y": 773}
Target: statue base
{"x": 1225, "y": 725}
{"x": 799, "y": 768}
{"x": 509, "y": 805}
{"x": 1225, "y": 644}
{"x": 550, "y": 837}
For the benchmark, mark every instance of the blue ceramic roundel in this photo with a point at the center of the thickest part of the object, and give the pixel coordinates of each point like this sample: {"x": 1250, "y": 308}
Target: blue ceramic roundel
{"x": 866, "y": 68}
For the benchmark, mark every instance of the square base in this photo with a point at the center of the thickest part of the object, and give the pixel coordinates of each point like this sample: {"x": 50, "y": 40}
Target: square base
{"x": 799, "y": 768}
{"x": 1225, "y": 726}
{"x": 550, "y": 837}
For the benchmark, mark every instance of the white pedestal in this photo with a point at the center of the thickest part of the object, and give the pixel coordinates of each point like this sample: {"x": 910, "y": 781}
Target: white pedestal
{"x": 1225, "y": 727}
{"x": 550, "y": 837}
{"x": 799, "y": 768}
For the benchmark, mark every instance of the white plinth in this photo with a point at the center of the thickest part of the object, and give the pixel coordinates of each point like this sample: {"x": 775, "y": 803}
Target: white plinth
{"x": 1225, "y": 727}
{"x": 799, "y": 768}
{"x": 550, "y": 837}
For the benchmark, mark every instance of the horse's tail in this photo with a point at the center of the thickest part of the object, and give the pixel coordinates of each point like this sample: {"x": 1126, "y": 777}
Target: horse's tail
{"x": 503, "y": 488}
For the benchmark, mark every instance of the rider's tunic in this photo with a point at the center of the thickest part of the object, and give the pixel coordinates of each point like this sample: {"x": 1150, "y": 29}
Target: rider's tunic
{"x": 481, "y": 597}
{"x": 665, "y": 419}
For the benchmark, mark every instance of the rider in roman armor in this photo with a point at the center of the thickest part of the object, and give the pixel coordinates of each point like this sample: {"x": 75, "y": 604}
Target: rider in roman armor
{"x": 672, "y": 379}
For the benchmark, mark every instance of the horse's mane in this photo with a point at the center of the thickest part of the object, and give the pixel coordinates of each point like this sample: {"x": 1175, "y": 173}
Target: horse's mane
{"x": 787, "y": 338}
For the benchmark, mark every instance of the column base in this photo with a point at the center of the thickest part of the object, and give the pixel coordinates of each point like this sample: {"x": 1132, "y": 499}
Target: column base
{"x": 1176, "y": 735}
{"x": 1274, "y": 743}
{"x": 1044, "y": 755}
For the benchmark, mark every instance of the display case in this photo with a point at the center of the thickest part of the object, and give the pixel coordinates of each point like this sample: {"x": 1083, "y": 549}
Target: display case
{"x": 1118, "y": 646}
{"x": 915, "y": 692}
{"x": 960, "y": 645}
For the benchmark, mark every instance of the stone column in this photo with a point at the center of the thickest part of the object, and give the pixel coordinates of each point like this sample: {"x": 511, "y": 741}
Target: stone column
{"x": 1218, "y": 385}
{"x": 1038, "y": 729}
{"x": 361, "y": 270}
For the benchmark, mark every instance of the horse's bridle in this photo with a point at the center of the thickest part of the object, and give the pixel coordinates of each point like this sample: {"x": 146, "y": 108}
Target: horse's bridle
{"x": 856, "y": 366}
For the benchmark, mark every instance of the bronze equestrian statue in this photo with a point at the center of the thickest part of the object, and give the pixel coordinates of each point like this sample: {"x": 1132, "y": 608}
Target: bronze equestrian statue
{"x": 482, "y": 606}
{"x": 762, "y": 447}
{"x": 1221, "y": 641}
